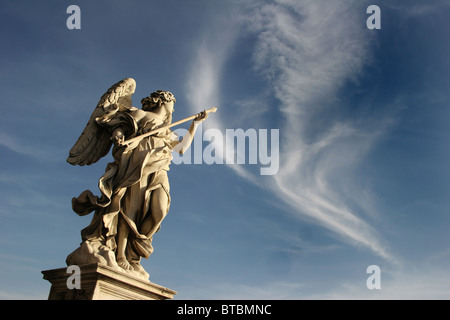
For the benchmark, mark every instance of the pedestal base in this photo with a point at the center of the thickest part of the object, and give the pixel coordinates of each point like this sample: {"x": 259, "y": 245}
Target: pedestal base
{"x": 100, "y": 282}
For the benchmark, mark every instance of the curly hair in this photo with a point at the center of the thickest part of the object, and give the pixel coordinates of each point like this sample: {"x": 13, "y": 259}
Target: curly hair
{"x": 155, "y": 100}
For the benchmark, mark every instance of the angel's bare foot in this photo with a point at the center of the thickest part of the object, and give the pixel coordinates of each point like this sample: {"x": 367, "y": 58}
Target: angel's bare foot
{"x": 124, "y": 264}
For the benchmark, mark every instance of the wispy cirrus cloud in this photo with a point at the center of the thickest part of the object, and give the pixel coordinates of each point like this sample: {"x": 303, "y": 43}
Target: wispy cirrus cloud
{"x": 205, "y": 80}
{"x": 27, "y": 148}
{"x": 307, "y": 50}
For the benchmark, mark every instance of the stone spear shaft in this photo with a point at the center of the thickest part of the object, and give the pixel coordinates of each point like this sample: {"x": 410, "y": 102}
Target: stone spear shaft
{"x": 142, "y": 136}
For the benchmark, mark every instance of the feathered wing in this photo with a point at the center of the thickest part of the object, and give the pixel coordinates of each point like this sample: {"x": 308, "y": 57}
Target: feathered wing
{"x": 95, "y": 140}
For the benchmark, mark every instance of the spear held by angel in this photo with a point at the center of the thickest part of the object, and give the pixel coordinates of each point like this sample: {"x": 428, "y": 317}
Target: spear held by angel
{"x": 135, "y": 190}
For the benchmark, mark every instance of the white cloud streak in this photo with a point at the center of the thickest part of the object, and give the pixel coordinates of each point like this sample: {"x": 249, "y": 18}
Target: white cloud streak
{"x": 307, "y": 50}
{"x": 26, "y": 148}
{"x": 205, "y": 81}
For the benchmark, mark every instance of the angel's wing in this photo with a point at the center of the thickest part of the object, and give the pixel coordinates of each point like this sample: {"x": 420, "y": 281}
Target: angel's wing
{"x": 94, "y": 143}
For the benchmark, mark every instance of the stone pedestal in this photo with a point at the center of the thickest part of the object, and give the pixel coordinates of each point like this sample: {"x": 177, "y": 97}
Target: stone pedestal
{"x": 100, "y": 282}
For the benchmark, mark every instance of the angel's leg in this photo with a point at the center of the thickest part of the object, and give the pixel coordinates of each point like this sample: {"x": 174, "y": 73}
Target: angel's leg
{"x": 131, "y": 205}
{"x": 159, "y": 208}
{"x": 122, "y": 239}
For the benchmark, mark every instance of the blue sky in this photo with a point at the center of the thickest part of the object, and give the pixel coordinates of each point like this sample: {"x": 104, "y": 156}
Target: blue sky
{"x": 363, "y": 125}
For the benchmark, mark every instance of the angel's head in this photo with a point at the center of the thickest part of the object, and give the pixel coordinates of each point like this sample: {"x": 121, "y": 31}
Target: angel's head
{"x": 156, "y": 99}
{"x": 159, "y": 100}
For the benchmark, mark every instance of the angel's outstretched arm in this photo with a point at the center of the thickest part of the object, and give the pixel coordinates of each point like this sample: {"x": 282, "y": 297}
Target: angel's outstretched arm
{"x": 185, "y": 143}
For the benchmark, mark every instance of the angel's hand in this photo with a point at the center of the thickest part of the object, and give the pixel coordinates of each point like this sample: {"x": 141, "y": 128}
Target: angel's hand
{"x": 118, "y": 137}
{"x": 201, "y": 116}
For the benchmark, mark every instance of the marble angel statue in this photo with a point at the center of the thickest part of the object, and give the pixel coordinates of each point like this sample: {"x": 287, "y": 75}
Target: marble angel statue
{"x": 135, "y": 190}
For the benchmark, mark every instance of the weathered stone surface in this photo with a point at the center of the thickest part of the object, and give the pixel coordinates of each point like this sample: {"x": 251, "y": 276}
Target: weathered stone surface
{"x": 100, "y": 282}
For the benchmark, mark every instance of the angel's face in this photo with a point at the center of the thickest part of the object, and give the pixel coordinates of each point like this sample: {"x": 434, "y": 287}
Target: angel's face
{"x": 168, "y": 106}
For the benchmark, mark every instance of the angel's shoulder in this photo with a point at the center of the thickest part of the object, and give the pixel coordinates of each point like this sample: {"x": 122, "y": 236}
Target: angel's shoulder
{"x": 147, "y": 116}
{"x": 137, "y": 114}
